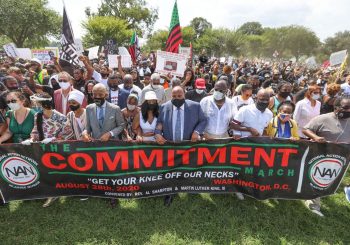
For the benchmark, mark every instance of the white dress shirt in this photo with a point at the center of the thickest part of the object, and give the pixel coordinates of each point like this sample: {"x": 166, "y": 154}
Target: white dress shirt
{"x": 304, "y": 112}
{"x": 218, "y": 119}
{"x": 182, "y": 112}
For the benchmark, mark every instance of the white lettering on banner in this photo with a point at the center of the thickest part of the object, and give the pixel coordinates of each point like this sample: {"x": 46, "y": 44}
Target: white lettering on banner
{"x": 171, "y": 63}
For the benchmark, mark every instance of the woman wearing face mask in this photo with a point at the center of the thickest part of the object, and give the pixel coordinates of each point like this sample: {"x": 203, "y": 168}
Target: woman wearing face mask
{"x": 88, "y": 91}
{"x": 282, "y": 125}
{"x": 77, "y": 114}
{"x": 188, "y": 80}
{"x": 307, "y": 108}
{"x": 129, "y": 113}
{"x": 328, "y": 100}
{"x": 145, "y": 122}
{"x": 283, "y": 94}
{"x": 245, "y": 98}
{"x": 20, "y": 119}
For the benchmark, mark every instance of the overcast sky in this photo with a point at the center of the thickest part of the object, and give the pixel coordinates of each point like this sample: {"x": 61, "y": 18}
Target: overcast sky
{"x": 325, "y": 17}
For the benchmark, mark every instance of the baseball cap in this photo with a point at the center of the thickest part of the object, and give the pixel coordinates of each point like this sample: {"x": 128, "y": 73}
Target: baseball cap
{"x": 200, "y": 83}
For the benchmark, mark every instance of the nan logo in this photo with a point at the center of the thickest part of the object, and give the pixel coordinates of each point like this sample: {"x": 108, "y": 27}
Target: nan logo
{"x": 19, "y": 172}
{"x": 323, "y": 172}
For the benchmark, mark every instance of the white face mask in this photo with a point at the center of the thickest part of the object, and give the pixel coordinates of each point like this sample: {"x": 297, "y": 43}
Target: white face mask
{"x": 315, "y": 96}
{"x": 14, "y": 106}
{"x": 64, "y": 85}
{"x": 218, "y": 95}
{"x": 131, "y": 107}
{"x": 199, "y": 91}
{"x": 156, "y": 86}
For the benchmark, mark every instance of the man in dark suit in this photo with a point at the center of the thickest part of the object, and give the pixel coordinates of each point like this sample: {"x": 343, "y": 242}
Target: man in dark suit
{"x": 179, "y": 120}
{"x": 104, "y": 120}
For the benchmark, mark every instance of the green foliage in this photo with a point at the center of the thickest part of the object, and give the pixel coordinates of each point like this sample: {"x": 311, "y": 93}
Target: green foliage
{"x": 101, "y": 28}
{"x": 251, "y": 28}
{"x": 135, "y": 13}
{"x": 340, "y": 41}
{"x": 28, "y": 23}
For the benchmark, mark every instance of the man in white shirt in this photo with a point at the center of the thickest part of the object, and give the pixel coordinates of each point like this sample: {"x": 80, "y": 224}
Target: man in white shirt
{"x": 156, "y": 87}
{"x": 251, "y": 120}
{"x": 219, "y": 111}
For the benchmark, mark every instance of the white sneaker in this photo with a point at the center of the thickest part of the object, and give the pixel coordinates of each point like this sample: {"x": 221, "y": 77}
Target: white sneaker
{"x": 239, "y": 196}
{"x": 347, "y": 193}
{"x": 84, "y": 198}
{"x": 315, "y": 211}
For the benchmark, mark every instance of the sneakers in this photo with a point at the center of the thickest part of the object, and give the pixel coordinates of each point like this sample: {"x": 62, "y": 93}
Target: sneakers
{"x": 49, "y": 201}
{"x": 347, "y": 193}
{"x": 239, "y": 196}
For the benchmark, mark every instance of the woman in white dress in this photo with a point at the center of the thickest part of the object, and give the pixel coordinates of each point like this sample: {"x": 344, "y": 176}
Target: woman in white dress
{"x": 145, "y": 122}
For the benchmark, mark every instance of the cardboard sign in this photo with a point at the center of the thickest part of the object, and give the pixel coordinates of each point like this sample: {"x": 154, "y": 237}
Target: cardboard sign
{"x": 110, "y": 47}
{"x": 79, "y": 46}
{"x": 123, "y": 51}
{"x": 171, "y": 63}
{"x": 113, "y": 61}
{"x": 11, "y": 50}
{"x": 185, "y": 50}
{"x": 311, "y": 62}
{"x": 24, "y": 53}
{"x": 338, "y": 57}
{"x": 44, "y": 54}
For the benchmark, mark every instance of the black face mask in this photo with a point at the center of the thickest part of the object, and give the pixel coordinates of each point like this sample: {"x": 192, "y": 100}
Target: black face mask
{"x": 104, "y": 75}
{"x": 261, "y": 106}
{"x": 343, "y": 114}
{"x": 12, "y": 88}
{"x": 178, "y": 102}
{"x": 152, "y": 107}
{"x": 74, "y": 107}
{"x": 113, "y": 87}
{"x": 284, "y": 94}
{"x": 99, "y": 101}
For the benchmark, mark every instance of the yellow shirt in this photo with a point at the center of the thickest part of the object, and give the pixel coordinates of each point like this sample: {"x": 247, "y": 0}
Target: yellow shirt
{"x": 272, "y": 128}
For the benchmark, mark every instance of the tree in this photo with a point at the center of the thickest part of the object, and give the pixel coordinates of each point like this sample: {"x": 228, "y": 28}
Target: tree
{"x": 28, "y": 23}
{"x": 101, "y": 28}
{"x": 200, "y": 25}
{"x": 135, "y": 13}
{"x": 340, "y": 41}
{"x": 251, "y": 28}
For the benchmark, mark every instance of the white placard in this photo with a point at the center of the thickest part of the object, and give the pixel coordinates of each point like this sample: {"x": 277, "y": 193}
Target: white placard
{"x": 79, "y": 46}
{"x": 311, "y": 62}
{"x": 230, "y": 60}
{"x": 113, "y": 61}
{"x": 222, "y": 59}
{"x": 123, "y": 51}
{"x": 171, "y": 63}
{"x": 24, "y": 53}
{"x": 43, "y": 54}
{"x": 338, "y": 57}
{"x": 11, "y": 50}
{"x": 185, "y": 50}
{"x": 93, "y": 53}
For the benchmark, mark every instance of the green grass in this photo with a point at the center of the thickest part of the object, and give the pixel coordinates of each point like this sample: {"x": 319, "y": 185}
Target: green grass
{"x": 192, "y": 219}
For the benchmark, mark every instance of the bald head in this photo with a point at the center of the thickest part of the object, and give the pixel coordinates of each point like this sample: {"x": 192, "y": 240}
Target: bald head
{"x": 178, "y": 93}
{"x": 221, "y": 86}
{"x": 99, "y": 91}
{"x": 263, "y": 94}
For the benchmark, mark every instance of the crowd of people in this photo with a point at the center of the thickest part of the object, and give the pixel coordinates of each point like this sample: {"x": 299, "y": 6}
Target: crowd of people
{"x": 213, "y": 100}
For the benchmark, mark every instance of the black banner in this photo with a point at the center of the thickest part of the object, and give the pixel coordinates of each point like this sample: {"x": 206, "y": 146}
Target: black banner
{"x": 259, "y": 167}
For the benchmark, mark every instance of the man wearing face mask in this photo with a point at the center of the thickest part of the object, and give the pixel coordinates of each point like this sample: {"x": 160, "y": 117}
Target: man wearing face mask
{"x": 251, "y": 120}
{"x": 116, "y": 95}
{"x": 129, "y": 85}
{"x": 334, "y": 127}
{"x": 198, "y": 93}
{"x": 179, "y": 120}
{"x": 274, "y": 81}
{"x": 61, "y": 95}
{"x": 156, "y": 87}
{"x": 77, "y": 114}
{"x": 104, "y": 121}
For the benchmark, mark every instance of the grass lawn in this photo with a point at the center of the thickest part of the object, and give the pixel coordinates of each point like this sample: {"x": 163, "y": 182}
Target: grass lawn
{"x": 192, "y": 219}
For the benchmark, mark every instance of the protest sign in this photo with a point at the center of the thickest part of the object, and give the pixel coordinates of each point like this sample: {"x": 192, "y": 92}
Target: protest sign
{"x": 260, "y": 167}
{"x": 93, "y": 53}
{"x": 123, "y": 51}
{"x": 222, "y": 59}
{"x": 171, "y": 63}
{"x": 338, "y": 57}
{"x": 11, "y": 50}
{"x": 44, "y": 54}
{"x": 110, "y": 47}
{"x": 24, "y": 53}
{"x": 79, "y": 46}
{"x": 311, "y": 62}
{"x": 113, "y": 61}
{"x": 186, "y": 51}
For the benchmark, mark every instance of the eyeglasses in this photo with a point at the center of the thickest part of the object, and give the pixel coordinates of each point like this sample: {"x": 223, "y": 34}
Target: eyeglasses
{"x": 11, "y": 101}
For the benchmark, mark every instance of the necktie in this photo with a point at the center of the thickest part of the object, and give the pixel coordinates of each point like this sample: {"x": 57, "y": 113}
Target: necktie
{"x": 101, "y": 117}
{"x": 178, "y": 126}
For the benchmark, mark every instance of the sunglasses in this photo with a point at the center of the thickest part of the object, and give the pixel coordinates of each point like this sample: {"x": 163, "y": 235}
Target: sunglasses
{"x": 11, "y": 101}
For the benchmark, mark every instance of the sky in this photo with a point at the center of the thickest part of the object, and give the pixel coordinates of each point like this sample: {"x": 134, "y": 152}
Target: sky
{"x": 324, "y": 17}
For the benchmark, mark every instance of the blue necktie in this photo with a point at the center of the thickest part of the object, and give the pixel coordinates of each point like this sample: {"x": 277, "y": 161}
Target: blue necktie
{"x": 178, "y": 126}
{"x": 101, "y": 117}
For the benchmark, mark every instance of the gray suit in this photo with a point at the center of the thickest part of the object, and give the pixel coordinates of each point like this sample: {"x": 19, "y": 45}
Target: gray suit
{"x": 113, "y": 121}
